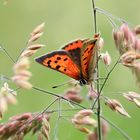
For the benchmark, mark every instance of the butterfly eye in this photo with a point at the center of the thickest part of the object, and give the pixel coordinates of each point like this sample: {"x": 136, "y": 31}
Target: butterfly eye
{"x": 83, "y": 82}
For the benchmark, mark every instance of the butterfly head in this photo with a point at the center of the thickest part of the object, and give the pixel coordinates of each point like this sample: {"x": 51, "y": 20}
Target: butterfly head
{"x": 83, "y": 82}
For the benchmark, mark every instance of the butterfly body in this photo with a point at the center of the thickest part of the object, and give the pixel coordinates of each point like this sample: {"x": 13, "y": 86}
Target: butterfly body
{"x": 76, "y": 60}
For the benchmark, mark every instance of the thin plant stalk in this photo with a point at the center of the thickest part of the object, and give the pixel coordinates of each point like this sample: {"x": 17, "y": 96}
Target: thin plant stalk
{"x": 7, "y": 53}
{"x": 98, "y": 83}
{"x": 103, "y": 85}
{"x": 124, "y": 134}
{"x": 38, "y": 114}
{"x": 56, "y": 95}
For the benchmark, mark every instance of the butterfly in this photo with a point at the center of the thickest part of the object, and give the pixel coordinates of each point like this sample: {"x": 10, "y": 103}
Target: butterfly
{"x": 76, "y": 60}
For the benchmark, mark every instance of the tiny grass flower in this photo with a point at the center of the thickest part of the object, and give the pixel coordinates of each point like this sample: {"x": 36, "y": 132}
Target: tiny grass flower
{"x": 38, "y": 29}
{"x": 106, "y": 58}
{"x": 7, "y": 97}
{"x": 83, "y": 118}
{"x": 115, "y": 105}
{"x": 19, "y": 126}
{"x": 21, "y": 74}
{"x": 133, "y": 97}
{"x": 35, "y": 37}
{"x": 73, "y": 95}
{"x": 128, "y": 44}
{"x": 100, "y": 43}
{"x": 92, "y": 92}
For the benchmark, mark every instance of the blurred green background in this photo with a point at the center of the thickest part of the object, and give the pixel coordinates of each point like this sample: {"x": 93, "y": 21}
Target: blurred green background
{"x": 65, "y": 21}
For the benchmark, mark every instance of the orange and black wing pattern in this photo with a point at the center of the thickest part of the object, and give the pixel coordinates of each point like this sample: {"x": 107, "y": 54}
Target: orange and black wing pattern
{"x": 74, "y": 50}
{"x": 87, "y": 58}
{"x": 60, "y": 61}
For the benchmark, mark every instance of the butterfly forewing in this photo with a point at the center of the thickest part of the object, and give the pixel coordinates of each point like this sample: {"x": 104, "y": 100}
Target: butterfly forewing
{"x": 87, "y": 59}
{"x": 60, "y": 61}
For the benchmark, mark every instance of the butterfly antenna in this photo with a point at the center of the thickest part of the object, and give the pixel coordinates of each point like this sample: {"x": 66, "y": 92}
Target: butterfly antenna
{"x": 100, "y": 78}
{"x": 65, "y": 83}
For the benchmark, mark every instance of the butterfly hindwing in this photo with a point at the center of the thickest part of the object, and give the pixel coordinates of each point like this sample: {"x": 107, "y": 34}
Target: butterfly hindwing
{"x": 60, "y": 61}
{"x": 88, "y": 59}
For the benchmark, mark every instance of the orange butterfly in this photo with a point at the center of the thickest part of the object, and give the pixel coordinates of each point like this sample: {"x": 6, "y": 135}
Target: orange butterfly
{"x": 76, "y": 59}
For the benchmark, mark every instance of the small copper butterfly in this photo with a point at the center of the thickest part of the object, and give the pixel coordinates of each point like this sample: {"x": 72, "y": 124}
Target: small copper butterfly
{"x": 76, "y": 59}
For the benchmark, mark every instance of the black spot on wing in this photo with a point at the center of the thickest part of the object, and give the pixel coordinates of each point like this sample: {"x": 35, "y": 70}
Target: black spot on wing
{"x": 55, "y": 61}
{"x": 85, "y": 58}
{"x": 86, "y": 69}
{"x": 73, "y": 42}
{"x": 86, "y": 50}
{"x": 49, "y": 62}
{"x": 58, "y": 58}
{"x": 91, "y": 48}
{"x": 65, "y": 59}
{"x": 85, "y": 63}
{"x": 58, "y": 66}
